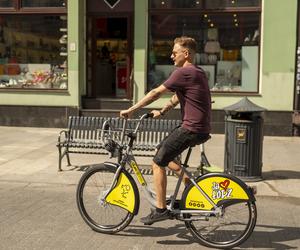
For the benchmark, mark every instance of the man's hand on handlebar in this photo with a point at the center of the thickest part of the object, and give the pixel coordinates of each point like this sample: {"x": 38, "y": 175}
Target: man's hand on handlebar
{"x": 126, "y": 113}
{"x": 156, "y": 113}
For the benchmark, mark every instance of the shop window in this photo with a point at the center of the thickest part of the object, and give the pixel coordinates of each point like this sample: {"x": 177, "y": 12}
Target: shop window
{"x": 33, "y": 51}
{"x": 43, "y": 3}
{"x": 6, "y": 4}
{"x": 227, "y": 43}
{"x": 219, "y": 4}
{"x": 203, "y": 4}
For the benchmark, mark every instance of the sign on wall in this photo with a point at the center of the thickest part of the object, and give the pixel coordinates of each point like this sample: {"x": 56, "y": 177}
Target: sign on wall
{"x": 112, "y": 3}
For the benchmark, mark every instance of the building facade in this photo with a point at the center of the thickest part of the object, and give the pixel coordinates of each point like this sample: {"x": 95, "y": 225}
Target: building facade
{"x": 61, "y": 58}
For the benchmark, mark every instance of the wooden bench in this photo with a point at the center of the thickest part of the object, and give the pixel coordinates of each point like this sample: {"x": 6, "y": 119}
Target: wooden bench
{"x": 83, "y": 136}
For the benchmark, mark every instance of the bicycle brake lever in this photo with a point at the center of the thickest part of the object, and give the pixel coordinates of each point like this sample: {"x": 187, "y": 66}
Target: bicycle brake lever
{"x": 149, "y": 115}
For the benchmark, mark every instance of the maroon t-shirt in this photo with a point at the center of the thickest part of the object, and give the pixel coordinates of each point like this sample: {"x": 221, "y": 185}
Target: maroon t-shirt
{"x": 191, "y": 87}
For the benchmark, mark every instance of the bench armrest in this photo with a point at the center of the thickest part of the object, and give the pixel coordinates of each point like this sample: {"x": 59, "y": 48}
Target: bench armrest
{"x": 62, "y": 134}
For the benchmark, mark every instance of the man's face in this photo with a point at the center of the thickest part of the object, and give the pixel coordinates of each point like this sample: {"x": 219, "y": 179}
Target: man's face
{"x": 179, "y": 55}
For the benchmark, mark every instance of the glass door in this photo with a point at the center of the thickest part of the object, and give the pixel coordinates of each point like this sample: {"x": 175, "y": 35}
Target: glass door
{"x": 109, "y": 56}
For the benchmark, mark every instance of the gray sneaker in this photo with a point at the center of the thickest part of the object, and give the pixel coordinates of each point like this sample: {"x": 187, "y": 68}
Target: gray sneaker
{"x": 155, "y": 216}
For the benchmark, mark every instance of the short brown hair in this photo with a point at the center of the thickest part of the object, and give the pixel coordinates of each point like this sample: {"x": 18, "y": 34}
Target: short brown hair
{"x": 186, "y": 42}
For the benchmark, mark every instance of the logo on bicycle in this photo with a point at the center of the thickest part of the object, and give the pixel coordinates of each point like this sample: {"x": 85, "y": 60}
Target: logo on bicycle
{"x": 125, "y": 190}
{"x": 221, "y": 190}
{"x": 196, "y": 204}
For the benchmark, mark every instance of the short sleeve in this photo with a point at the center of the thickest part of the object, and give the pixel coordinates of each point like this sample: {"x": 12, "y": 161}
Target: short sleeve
{"x": 174, "y": 81}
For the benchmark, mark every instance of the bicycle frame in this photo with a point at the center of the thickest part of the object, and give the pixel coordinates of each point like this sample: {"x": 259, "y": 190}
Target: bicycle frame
{"x": 150, "y": 194}
{"x": 129, "y": 159}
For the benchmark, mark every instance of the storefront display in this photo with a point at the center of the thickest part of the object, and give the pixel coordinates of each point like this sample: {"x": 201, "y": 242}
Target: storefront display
{"x": 6, "y": 4}
{"x": 43, "y": 3}
{"x": 33, "y": 52}
{"x": 227, "y": 42}
{"x": 121, "y": 79}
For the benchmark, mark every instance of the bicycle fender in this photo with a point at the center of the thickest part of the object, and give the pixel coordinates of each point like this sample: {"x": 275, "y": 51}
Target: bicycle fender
{"x": 221, "y": 188}
{"x": 125, "y": 194}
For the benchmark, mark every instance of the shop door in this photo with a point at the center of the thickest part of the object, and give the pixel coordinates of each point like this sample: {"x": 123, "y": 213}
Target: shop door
{"x": 109, "y": 56}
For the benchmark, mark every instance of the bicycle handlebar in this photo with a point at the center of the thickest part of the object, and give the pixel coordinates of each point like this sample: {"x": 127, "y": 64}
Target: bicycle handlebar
{"x": 148, "y": 115}
{"x": 144, "y": 116}
{"x": 107, "y": 126}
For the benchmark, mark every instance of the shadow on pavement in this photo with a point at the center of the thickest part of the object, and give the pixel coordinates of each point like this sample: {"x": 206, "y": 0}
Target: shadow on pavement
{"x": 264, "y": 236}
{"x": 281, "y": 175}
{"x": 272, "y": 237}
{"x": 179, "y": 230}
{"x": 82, "y": 168}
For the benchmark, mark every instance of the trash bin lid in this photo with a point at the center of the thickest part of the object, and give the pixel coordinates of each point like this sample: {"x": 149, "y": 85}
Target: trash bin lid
{"x": 244, "y": 106}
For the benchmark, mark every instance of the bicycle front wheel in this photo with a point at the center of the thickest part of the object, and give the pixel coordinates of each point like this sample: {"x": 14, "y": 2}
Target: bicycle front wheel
{"x": 100, "y": 215}
{"x": 228, "y": 230}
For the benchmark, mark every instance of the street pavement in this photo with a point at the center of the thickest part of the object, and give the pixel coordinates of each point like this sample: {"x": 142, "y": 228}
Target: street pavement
{"x": 38, "y": 206}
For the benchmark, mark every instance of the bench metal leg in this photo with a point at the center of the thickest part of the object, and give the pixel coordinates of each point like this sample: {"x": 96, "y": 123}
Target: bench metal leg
{"x": 68, "y": 158}
{"x": 60, "y": 156}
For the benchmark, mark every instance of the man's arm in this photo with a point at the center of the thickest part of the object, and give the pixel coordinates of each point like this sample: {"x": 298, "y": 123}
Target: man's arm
{"x": 170, "y": 105}
{"x": 151, "y": 96}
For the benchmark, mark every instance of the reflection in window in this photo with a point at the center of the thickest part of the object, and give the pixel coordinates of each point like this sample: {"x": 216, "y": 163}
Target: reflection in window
{"x": 219, "y": 4}
{"x": 43, "y": 3}
{"x": 33, "y": 51}
{"x": 203, "y": 4}
{"x": 227, "y": 48}
{"x": 6, "y": 3}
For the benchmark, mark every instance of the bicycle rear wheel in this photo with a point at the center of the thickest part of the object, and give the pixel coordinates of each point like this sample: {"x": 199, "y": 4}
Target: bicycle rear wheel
{"x": 230, "y": 229}
{"x": 100, "y": 215}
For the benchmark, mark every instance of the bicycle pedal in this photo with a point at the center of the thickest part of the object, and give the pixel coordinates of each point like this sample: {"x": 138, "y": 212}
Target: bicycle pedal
{"x": 176, "y": 204}
{"x": 172, "y": 216}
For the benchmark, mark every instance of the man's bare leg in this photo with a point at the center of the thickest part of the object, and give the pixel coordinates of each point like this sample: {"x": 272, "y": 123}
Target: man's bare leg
{"x": 160, "y": 184}
{"x": 174, "y": 166}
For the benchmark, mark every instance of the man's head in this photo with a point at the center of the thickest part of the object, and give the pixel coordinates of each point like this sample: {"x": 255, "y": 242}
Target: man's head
{"x": 183, "y": 51}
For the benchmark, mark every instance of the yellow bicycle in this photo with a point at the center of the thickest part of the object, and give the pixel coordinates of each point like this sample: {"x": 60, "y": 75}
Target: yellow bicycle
{"x": 219, "y": 209}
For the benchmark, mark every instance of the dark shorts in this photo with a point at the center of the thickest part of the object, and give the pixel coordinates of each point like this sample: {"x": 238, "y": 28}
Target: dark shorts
{"x": 175, "y": 143}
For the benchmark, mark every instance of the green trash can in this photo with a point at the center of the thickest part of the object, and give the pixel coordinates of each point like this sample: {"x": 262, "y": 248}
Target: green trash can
{"x": 244, "y": 140}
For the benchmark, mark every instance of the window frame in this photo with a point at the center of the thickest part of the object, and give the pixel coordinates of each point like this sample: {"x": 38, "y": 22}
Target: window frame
{"x": 190, "y": 11}
{"x": 17, "y": 8}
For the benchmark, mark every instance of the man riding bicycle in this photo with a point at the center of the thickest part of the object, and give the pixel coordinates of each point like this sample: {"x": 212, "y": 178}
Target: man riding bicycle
{"x": 192, "y": 92}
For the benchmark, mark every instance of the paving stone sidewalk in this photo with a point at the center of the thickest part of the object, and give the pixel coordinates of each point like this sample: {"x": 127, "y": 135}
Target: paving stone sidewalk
{"x": 38, "y": 208}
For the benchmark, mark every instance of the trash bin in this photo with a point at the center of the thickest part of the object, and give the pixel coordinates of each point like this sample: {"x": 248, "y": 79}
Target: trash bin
{"x": 244, "y": 140}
